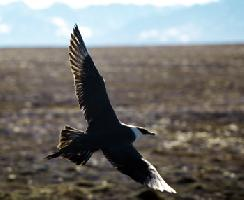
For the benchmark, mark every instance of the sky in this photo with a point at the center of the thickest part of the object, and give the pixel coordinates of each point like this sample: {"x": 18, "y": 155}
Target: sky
{"x": 41, "y": 4}
{"x": 121, "y": 22}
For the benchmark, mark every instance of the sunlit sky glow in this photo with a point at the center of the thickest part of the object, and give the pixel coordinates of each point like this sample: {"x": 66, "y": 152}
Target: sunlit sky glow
{"x": 40, "y": 4}
{"x": 121, "y": 22}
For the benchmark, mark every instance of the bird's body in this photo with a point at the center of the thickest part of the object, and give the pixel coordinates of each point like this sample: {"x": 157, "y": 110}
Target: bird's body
{"x": 104, "y": 131}
{"x": 99, "y": 138}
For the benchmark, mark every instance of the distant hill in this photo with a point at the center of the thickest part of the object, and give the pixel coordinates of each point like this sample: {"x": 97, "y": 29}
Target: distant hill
{"x": 220, "y": 22}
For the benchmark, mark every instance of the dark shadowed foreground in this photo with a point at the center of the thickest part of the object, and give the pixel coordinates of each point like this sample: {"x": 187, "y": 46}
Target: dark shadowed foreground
{"x": 192, "y": 96}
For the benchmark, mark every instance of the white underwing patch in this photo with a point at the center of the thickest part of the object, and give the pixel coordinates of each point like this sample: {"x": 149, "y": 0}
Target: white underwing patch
{"x": 137, "y": 132}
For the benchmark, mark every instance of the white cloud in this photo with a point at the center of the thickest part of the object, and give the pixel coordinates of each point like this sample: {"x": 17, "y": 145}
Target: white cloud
{"x": 181, "y": 34}
{"x": 150, "y": 34}
{"x": 4, "y": 28}
{"x": 63, "y": 28}
{"x": 177, "y": 34}
{"x": 39, "y": 4}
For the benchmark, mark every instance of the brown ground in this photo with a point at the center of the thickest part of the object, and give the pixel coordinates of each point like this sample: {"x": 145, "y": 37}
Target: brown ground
{"x": 192, "y": 96}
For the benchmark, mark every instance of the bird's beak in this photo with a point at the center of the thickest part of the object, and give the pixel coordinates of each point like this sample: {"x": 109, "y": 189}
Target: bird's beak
{"x": 146, "y": 132}
{"x": 152, "y": 133}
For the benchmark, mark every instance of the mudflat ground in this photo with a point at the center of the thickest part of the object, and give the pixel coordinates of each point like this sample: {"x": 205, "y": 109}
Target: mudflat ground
{"x": 193, "y": 97}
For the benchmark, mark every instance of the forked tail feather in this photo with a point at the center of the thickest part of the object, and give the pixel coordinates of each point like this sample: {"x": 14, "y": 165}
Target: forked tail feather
{"x": 72, "y": 146}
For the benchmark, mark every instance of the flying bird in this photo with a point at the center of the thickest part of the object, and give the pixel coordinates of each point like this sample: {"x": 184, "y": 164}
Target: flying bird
{"x": 104, "y": 130}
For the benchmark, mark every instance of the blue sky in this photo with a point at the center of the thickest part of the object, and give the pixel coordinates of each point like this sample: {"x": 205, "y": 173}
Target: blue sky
{"x": 117, "y": 22}
{"x": 42, "y": 4}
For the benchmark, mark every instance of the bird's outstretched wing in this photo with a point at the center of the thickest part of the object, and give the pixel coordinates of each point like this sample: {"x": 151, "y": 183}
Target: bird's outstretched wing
{"x": 128, "y": 161}
{"x": 89, "y": 84}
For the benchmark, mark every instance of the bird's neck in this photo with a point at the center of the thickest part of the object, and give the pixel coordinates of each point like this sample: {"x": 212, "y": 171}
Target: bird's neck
{"x": 137, "y": 132}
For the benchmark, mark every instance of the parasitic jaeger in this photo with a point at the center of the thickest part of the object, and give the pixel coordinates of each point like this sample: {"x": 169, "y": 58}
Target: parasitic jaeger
{"x": 104, "y": 131}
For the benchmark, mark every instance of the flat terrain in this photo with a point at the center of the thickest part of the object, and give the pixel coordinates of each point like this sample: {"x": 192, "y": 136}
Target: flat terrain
{"x": 193, "y": 97}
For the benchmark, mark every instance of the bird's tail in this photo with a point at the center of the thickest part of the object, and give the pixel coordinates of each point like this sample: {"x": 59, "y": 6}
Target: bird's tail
{"x": 73, "y": 146}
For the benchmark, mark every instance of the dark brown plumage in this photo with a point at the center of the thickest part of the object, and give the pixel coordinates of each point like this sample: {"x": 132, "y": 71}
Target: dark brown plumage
{"x": 104, "y": 132}
{"x": 89, "y": 84}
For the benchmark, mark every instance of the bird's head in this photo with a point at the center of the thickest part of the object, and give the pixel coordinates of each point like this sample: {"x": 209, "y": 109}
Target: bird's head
{"x": 139, "y": 131}
{"x": 146, "y": 132}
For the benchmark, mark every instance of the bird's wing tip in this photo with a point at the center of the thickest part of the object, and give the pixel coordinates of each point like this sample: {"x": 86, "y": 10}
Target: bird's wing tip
{"x": 170, "y": 190}
{"x": 165, "y": 188}
{"x": 76, "y": 40}
{"x": 76, "y": 30}
{"x": 75, "y": 26}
